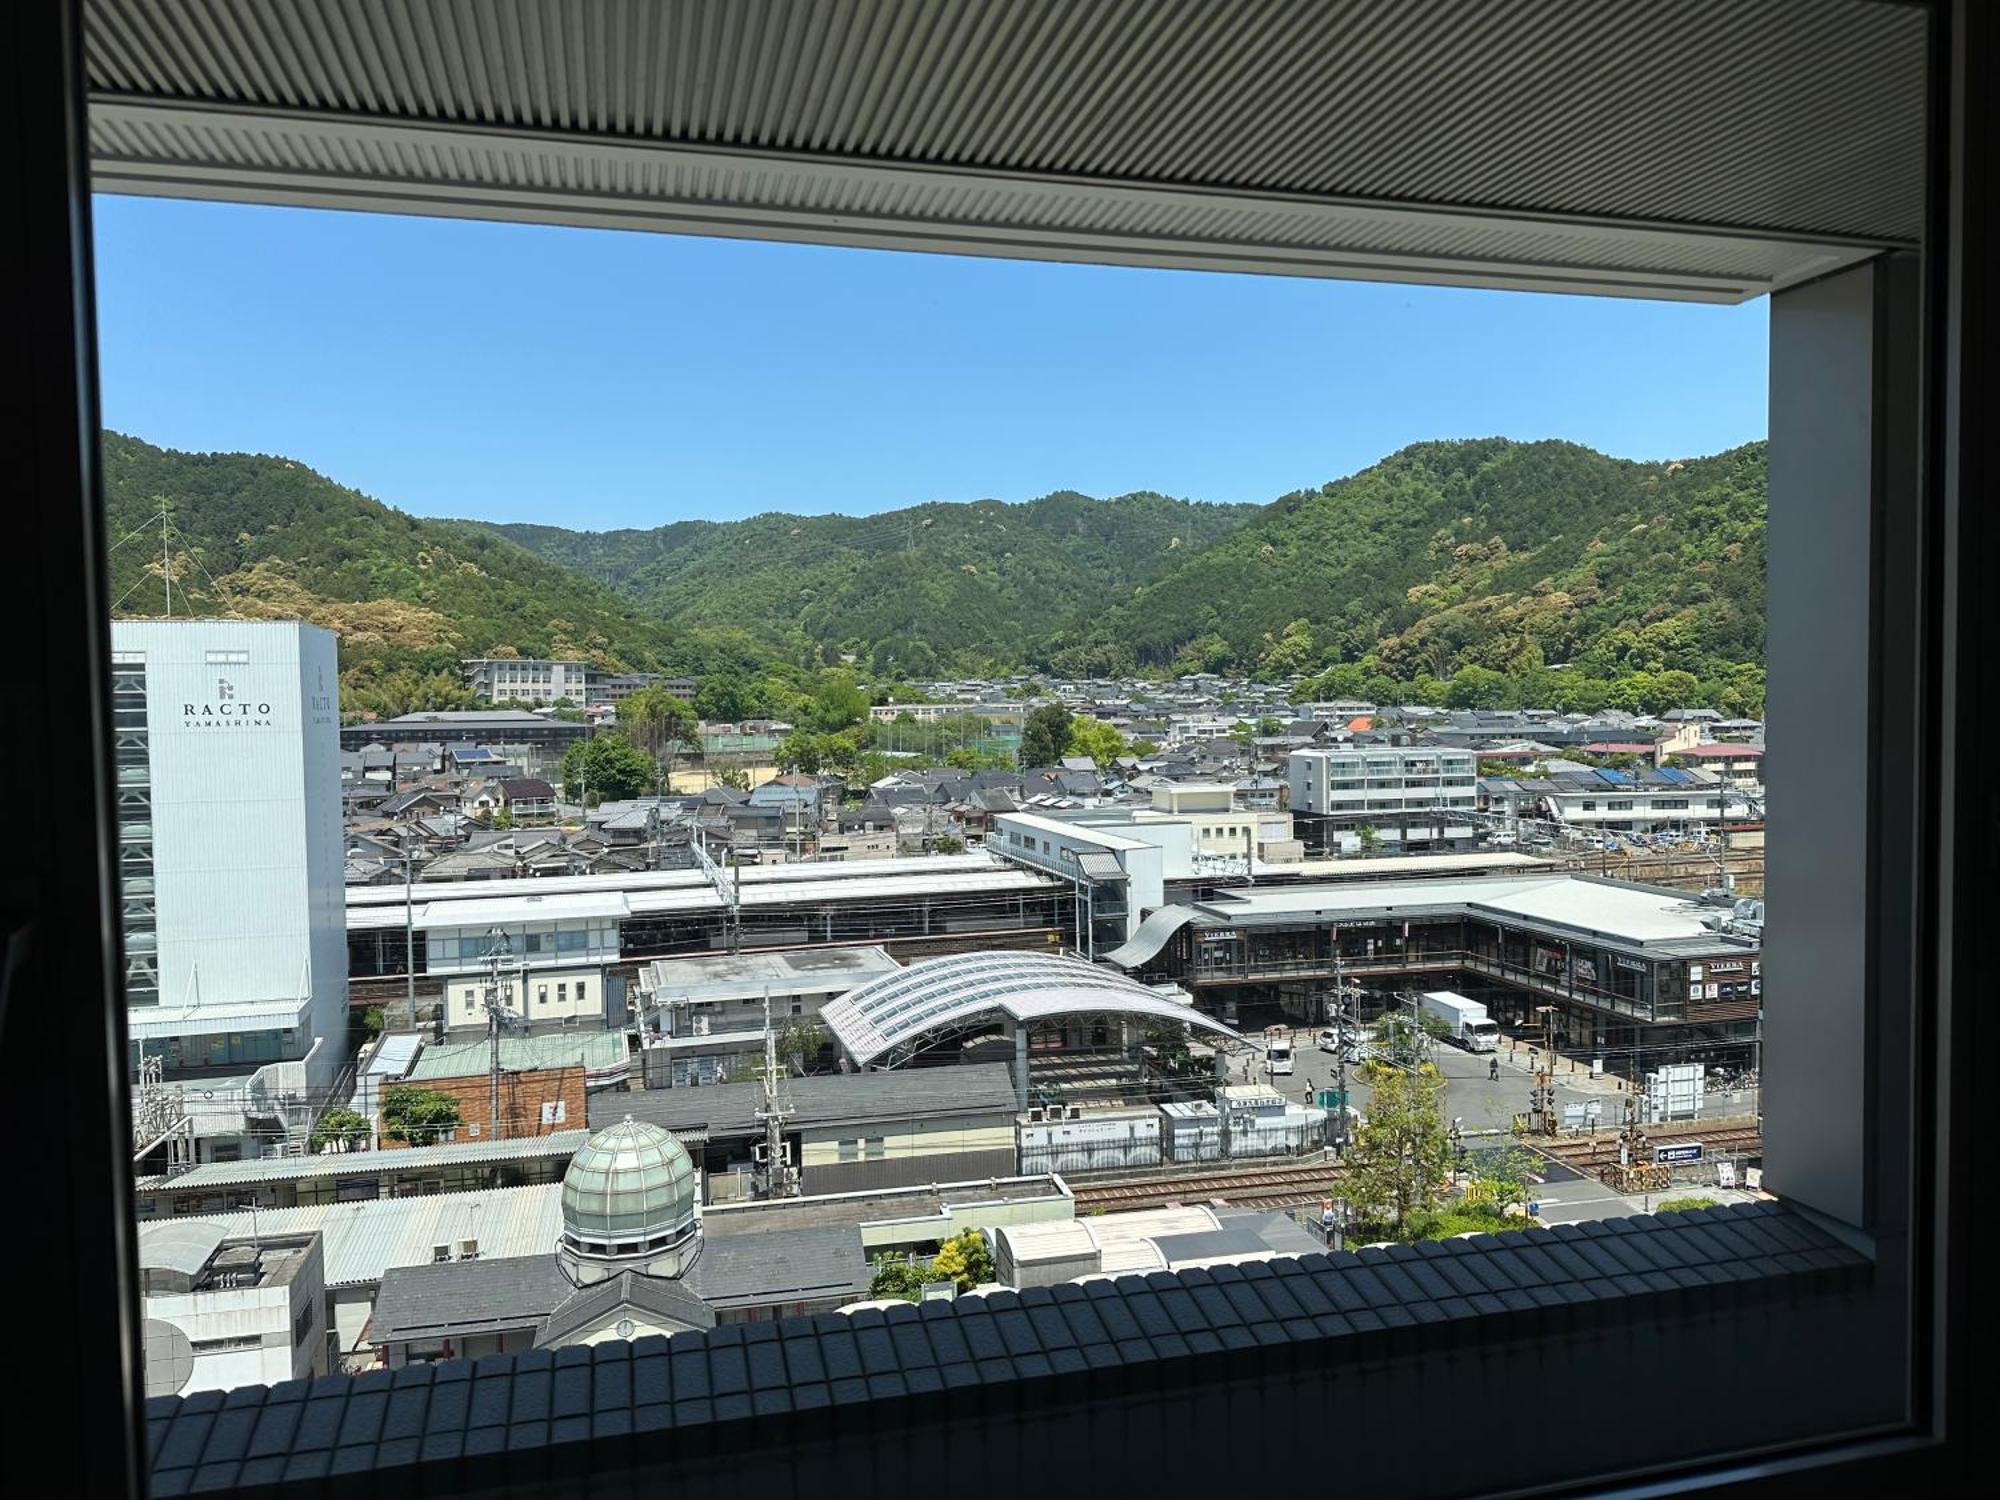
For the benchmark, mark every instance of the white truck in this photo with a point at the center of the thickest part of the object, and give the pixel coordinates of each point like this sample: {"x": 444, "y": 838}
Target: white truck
{"x": 1466, "y": 1020}
{"x": 1277, "y": 1050}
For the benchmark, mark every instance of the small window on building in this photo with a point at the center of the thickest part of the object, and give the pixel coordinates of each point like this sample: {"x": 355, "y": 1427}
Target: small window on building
{"x": 562, "y": 994}
{"x": 580, "y": 986}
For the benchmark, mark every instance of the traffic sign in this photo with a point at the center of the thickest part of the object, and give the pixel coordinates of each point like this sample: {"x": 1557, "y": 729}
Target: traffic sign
{"x": 1680, "y": 1151}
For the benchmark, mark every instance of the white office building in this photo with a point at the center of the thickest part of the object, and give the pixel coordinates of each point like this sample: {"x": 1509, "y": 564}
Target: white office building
{"x": 1411, "y": 795}
{"x": 230, "y": 860}
{"x": 527, "y": 679}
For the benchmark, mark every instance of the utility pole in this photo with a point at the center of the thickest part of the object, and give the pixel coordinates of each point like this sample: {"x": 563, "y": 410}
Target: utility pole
{"x": 409, "y": 925}
{"x": 496, "y": 1004}
{"x": 775, "y": 1176}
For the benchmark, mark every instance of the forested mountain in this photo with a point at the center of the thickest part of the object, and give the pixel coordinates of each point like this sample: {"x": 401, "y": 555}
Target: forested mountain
{"x": 1502, "y": 557}
{"x": 915, "y": 592}
{"x": 268, "y": 538}
{"x": 1478, "y": 571}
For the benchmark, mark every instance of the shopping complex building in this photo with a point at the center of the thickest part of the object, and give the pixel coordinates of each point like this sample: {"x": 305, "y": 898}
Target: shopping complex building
{"x": 1633, "y": 972}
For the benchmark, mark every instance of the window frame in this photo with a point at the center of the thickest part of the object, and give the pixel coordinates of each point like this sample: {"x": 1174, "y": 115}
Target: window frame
{"x": 63, "y": 939}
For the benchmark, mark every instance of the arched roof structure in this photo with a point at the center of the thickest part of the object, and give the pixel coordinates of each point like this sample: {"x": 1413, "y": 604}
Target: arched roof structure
{"x": 893, "y": 1015}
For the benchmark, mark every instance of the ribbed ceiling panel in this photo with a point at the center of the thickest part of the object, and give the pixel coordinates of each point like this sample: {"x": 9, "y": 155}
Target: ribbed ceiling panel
{"x": 1776, "y": 119}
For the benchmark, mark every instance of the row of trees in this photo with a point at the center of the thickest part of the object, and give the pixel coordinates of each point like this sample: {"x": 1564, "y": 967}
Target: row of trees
{"x": 411, "y": 1116}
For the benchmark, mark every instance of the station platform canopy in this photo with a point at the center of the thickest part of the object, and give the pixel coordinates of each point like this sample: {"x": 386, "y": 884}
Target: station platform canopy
{"x": 891, "y": 1017}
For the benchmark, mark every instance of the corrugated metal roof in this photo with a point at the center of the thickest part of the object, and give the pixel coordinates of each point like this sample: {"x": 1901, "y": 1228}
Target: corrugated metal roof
{"x": 593, "y": 1051}
{"x": 354, "y": 1163}
{"x": 1399, "y": 139}
{"x": 362, "y": 1240}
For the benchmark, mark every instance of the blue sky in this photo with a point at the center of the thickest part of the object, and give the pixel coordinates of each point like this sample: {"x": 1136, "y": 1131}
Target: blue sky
{"x": 596, "y": 379}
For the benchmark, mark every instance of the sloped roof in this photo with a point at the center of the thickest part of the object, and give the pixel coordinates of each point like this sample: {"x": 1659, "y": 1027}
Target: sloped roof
{"x": 658, "y": 1297}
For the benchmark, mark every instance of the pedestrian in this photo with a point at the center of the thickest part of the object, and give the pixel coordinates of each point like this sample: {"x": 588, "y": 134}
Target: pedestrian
{"x": 1493, "y": 1069}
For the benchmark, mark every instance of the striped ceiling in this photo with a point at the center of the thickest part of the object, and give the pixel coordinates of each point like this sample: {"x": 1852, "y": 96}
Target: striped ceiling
{"x": 1699, "y": 148}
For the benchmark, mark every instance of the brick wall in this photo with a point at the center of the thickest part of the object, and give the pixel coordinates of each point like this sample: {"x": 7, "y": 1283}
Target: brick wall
{"x": 522, "y": 1096}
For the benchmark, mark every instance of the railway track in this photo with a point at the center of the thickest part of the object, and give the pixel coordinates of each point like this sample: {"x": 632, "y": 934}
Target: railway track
{"x": 1588, "y": 1155}
{"x": 1247, "y": 1187}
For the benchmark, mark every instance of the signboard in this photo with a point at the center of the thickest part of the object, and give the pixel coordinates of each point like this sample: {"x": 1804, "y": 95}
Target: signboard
{"x": 1694, "y": 992}
{"x": 1630, "y": 963}
{"x": 1694, "y": 971}
{"x": 1679, "y": 1151}
{"x": 1226, "y": 935}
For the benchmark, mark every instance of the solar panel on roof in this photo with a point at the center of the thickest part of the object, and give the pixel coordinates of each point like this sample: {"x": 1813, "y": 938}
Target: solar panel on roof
{"x": 1616, "y": 778}
{"x": 1674, "y": 774}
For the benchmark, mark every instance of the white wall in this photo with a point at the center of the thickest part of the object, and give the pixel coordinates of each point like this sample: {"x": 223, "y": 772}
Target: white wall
{"x": 244, "y": 754}
{"x": 534, "y": 997}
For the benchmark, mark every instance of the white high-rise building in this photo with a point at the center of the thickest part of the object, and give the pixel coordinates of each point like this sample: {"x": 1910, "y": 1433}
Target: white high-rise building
{"x": 227, "y": 751}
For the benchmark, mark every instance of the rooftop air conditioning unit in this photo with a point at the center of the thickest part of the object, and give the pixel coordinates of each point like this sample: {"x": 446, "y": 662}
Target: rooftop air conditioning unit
{"x": 1076, "y": 1112}
{"x": 440, "y": 1254}
{"x": 468, "y": 1249}
{"x": 1035, "y": 1115}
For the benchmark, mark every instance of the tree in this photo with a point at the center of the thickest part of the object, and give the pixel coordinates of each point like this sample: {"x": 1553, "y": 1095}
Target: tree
{"x": 965, "y": 1259}
{"x": 803, "y": 1042}
{"x": 340, "y": 1130}
{"x": 1045, "y": 735}
{"x": 801, "y": 751}
{"x": 418, "y": 1117}
{"x": 1270, "y": 725}
{"x": 658, "y": 723}
{"x": 503, "y": 818}
{"x": 1401, "y": 1157}
{"x": 1093, "y": 737}
{"x": 837, "y": 704}
{"x": 724, "y": 699}
{"x": 606, "y": 767}
{"x": 1371, "y": 841}
{"x": 373, "y": 1023}
{"x": 946, "y": 843}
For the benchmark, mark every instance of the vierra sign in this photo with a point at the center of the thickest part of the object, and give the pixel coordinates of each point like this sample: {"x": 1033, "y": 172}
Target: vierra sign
{"x": 226, "y": 711}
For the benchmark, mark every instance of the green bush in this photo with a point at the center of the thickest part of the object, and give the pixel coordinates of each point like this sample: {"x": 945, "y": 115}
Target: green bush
{"x": 1682, "y": 1205}
{"x": 419, "y": 1117}
{"x": 340, "y": 1129}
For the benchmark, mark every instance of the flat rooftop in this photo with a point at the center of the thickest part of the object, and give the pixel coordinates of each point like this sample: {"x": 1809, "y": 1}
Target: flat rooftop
{"x": 745, "y": 976}
{"x": 1635, "y": 916}
{"x": 729, "y": 1109}
{"x": 487, "y": 903}
{"x": 1399, "y": 866}
{"x": 886, "y": 1205}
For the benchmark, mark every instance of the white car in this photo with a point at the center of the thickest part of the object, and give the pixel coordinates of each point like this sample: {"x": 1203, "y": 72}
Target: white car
{"x": 1329, "y": 1040}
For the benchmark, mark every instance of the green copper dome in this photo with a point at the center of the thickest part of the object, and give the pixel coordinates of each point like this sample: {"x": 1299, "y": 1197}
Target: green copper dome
{"x": 631, "y": 1182}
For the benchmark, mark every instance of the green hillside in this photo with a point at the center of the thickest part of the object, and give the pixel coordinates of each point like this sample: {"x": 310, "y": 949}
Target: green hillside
{"x": 1479, "y": 573}
{"x": 931, "y": 589}
{"x": 265, "y": 538}
{"x": 1505, "y": 558}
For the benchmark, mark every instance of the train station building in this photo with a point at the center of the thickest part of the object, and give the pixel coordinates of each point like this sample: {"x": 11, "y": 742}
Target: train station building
{"x": 1634, "y": 972}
